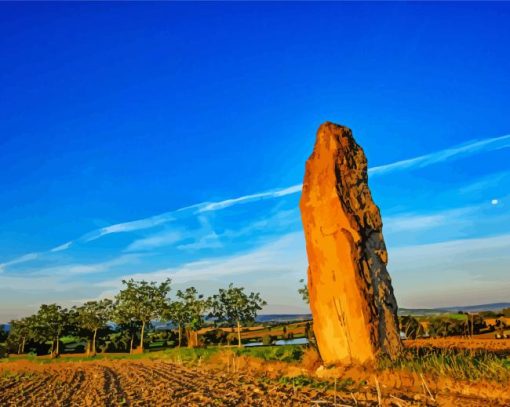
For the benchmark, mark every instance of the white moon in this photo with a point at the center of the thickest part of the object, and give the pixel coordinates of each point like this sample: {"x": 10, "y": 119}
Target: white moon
{"x": 494, "y": 202}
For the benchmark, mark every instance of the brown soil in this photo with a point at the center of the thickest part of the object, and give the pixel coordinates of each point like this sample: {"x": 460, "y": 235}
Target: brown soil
{"x": 142, "y": 383}
{"x": 228, "y": 381}
{"x": 396, "y": 387}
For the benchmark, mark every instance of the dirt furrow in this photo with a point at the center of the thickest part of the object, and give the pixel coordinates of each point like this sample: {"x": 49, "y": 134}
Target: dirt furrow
{"x": 230, "y": 389}
{"x": 91, "y": 392}
{"x": 63, "y": 395}
{"x": 27, "y": 393}
{"x": 115, "y": 393}
{"x": 160, "y": 383}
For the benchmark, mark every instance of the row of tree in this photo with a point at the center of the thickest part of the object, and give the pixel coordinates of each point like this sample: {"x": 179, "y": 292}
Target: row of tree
{"x": 134, "y": 308}
{"x": 442, "y": 326}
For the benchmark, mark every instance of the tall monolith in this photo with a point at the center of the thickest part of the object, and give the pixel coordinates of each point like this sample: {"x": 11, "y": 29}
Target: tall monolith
{"x": 353, "y": 306}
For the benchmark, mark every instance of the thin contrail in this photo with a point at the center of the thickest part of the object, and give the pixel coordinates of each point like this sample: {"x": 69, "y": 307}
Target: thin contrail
{"x": 451, "y": 153}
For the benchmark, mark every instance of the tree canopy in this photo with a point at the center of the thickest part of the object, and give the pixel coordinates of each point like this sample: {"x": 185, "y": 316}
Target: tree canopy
{"x": 303, "y": 291}
{"x": 50, "y": 324}
{"x": 141, "y": 301}
{"x": 194, "y": 307}
{"x": 93, "y": 315}
{"x": 234, "y": 306}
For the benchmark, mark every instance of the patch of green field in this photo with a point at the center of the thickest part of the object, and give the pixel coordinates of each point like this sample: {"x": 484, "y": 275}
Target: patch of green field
{"x": 286, "y": 353}
{"x": 459, "y": 317}
{"x": 270, "y": 330}
{"x": 69, "y": 339}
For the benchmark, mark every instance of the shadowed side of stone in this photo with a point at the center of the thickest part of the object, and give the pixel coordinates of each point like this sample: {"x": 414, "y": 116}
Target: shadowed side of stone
{"x": 351, "y": 297}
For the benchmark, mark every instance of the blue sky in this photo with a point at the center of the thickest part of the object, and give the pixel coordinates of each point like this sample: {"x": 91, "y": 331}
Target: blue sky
{"x": 136, "y": 140}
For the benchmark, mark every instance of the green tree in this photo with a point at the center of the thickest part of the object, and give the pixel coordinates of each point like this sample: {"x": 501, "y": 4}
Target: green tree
{"x": 51, "y": 321}
{"x": 488, "y": 314}
{"x": 20, "y": 332}
{"x": 3, "y": 333}
{"x": 506, "y": 312}
{"x": 475, "y": 323}
{"x": 127, "y": 326}
{"x": 92, "y": 316}
{"x": 179, "y": 315}
{"x": 141, "y": 301}
{"x": 196, "y": 306}
{"x": 234, "y": 306}
{"x": 443, "y": 327}
{"x": 303, "y": 291}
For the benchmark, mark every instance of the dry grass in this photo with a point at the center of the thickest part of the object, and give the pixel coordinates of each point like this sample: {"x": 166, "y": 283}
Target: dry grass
{"x": 458, "y": 364}
{"x": 420, "y": 377}
{"x": 494, "y": 345}
{"x": 311, "y": 359}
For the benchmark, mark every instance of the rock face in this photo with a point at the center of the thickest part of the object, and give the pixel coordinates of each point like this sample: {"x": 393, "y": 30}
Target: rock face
{"x": 351, "y": 297}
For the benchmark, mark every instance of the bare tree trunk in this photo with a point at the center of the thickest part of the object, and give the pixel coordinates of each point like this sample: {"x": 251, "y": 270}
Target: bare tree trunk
{"x": 238, "y": 334}
{"x": 188, "y": 337}
{"x": 141, "y": 338}
{"x": 58, "y": 347}
{"x": 94, "y": 343}
{"x": 192, "y": 337}
{"x": 180, "y": 334}
{"x": 23, "y": 344}
{"x": 131, "y": 345}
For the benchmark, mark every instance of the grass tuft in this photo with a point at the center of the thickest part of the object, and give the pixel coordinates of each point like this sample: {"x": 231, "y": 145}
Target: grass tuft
{"x": 456, "y": 363}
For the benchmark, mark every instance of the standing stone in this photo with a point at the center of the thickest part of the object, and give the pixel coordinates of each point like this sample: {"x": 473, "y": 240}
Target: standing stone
{"x": 351, "y": 297}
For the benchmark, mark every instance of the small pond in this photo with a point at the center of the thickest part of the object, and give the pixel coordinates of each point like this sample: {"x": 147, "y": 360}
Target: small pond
{"x": 280, "y": 342}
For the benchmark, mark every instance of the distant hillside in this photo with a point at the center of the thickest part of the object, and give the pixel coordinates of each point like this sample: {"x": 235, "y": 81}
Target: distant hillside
{"x": 283, "y": 317}
{"x": 419, "y": 311}
{"x": 477, "y": 308}
{"x": 443, "y": 310}
{"x": 401, "y": 311}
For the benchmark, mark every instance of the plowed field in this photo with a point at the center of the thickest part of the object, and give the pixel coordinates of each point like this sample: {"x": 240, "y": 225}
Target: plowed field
{"x": 146, "y": 382}
{"x": 141, "y": 383}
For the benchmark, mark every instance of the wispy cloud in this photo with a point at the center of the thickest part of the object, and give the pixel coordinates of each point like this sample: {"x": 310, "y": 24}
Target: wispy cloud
{"x": 278, "y": 193}
{"x": 458, "y": 151}
{"x": 203, "y": 238}
{"x": 454, "y": 272}
{"x": 463, "y": 150}
{"x": 487, "y": 182}
{"x": 88, "y": 268}
{"x": 22, "y": 259}
{"x": 469, "y": 148}
{"x": 209, "y": 241}
{"x": 158, "y": 240}
{"x": 413, "y": 222}
{"x": 131, "y": 226}
{"x": 275, "y": 221}
{"x": 157, "y": 220}
{"x": 479, "y": 247}
{"x": 41, "y": 283}
{"x": 191, "y": 238}
{"x": 62, "y": 247}
{"x": 285, "y": 254}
